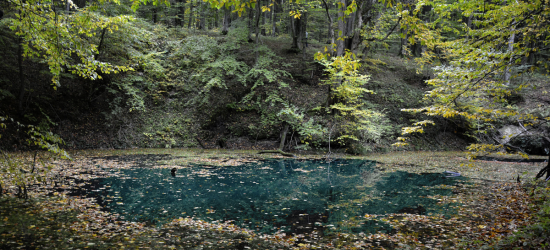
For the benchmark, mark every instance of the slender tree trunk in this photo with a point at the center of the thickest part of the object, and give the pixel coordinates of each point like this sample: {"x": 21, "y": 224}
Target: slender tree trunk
{"x": 190, "y": 15}
{"x": 274, "y": 19}
{"x": 469, "y": 25}
{"x": 350, "y": 27}
{"x": 340, "y": 46}
{"x": 355, "y": 31}
{"x": 283, "y": 136}
{"x": 257, "y": 24}
{"x": 181, "y": 13}
{"x": 330, "y": 30}
{"x": 100, "y": 46}
{"x": 217, "y": 23}
{"x": 167, "y": 21}
{"x": 403, "y": 44}
{"x": 291, "y": 32}
{"x": 203, "y": 24}
{"x": 508, "y": 73}
{"x": 303, "y": 34}
{"x": 296, "y": 26}
{"x": 177, "y": 21}
{"x": 250, "y": 24}
{"x": 531, "y": 59}
{"x": 22, "y": 86}
{"x": 290, "y": 26}
{"x": 264, "y": 17}
{"x": 226, "y": 18}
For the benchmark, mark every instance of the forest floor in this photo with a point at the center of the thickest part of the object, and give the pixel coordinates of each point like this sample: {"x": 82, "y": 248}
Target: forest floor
{"x": 493, "y": 207}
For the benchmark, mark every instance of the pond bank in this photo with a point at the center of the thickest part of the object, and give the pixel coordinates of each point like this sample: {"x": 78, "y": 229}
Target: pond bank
{"x": 481, "y": 215}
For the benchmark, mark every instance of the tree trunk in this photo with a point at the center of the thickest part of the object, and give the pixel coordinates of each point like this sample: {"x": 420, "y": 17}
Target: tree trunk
{"x": 203, "y": 24}
{"x": 216, "y": 20}
{"x": 154, "y": 14}
{"x": 274, "y": 19}
{"x": 283, "y": 136}
{"x": 355, "y": 29}
{"x": 226, "y": 19}
{"x": 340, "y": 46}
{"x": 545, "y": 170}
{"x": 181, "y": 13}
{"x": 21, "y": 75}
{"x": 264, "y": 17}
{"x": 257, "y": 25}
{"x": 403, "y": 44}
{"x": 330, "y": 30}
{"x": 100, "y": 46}
{"x": 296, "y": 24}
{"x": 190, "y": 15}
{"x": 177, "y": 21}
{"x": 281, "y": 144}
{"x": 349, "y": 27}
{"x": 303, "y": 35}
{"x": 508, "y": 73}
{"x": 469, "y": 25}
{"x": 250, "y": 18}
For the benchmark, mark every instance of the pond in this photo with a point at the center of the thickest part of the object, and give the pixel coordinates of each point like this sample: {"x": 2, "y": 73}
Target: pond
{"x": 297, "y": 196}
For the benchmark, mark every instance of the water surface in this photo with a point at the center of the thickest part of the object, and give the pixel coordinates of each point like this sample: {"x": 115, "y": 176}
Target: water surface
{"x": 299, "y": 196}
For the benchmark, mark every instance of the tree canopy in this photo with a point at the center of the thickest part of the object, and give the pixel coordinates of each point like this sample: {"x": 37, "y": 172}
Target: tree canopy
{"x": 474, "y": 54}
{"x": 484, "y": 49}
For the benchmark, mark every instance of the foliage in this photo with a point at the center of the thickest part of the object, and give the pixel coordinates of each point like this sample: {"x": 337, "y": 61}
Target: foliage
{"x": 482, "y": 63}
{"x": 23, "y": 170}
{"x": 44, "y": 40}
{"x": 347, "y": 83}
{"x": 210, "y": 61}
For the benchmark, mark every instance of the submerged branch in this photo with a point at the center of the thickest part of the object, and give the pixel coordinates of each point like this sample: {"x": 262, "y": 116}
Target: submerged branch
{"x": 276, "y": 152}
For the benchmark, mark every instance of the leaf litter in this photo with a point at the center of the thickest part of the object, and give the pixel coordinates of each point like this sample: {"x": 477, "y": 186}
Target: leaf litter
{"x": 490, "y": 209}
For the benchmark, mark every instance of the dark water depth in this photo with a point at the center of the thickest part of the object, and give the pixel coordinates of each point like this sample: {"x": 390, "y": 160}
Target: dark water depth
{"x": 289, "y": 195}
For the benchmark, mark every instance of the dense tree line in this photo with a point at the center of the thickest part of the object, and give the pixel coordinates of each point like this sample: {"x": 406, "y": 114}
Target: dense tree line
{"x": 477, "y": 49}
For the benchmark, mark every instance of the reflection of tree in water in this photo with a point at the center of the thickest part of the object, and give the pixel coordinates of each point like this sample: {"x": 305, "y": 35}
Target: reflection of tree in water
{"x": 401, "y": 190}
{"x": 288, "y": 195}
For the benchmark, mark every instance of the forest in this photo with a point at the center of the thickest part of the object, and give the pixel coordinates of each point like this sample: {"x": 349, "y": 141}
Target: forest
{"x": 428, "y": 90}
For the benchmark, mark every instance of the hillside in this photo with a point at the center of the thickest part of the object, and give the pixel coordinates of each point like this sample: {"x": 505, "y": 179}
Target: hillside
{"x": 165, "y": 102}
{"x": 121, "y": 75}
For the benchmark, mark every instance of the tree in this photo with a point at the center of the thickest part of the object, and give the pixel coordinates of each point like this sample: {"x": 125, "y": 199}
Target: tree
{"x": 349, "y": 116}
{"x": 54, "y": 33}
{"x": 226, "y": 19}
{"x": 48, "y": 32}
{"x": 475, "y": 76}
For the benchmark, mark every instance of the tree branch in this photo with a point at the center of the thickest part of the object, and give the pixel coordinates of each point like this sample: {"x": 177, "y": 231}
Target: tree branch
{"x": 389, "y": 32}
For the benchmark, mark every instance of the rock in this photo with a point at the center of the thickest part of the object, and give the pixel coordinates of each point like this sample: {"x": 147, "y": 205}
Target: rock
{"x": 529, "y": 140}
{"x": 508, "y": 132}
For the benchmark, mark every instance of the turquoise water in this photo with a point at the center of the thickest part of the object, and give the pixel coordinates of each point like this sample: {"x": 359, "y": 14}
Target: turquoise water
{"x": 289, "y": 195}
